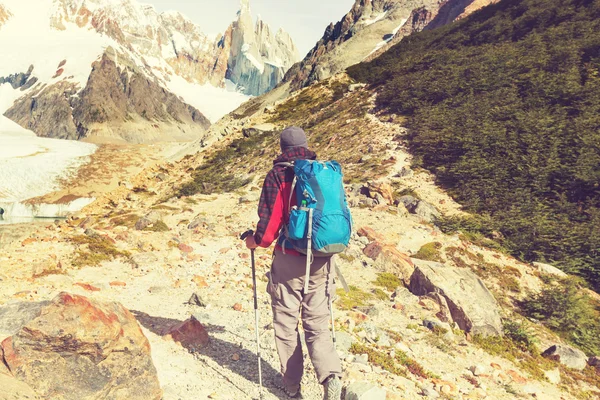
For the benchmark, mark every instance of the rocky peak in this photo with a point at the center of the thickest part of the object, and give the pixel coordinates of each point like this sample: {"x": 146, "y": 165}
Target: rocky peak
{"x": 258, "y": 59}
{"x": 369, "y": 28}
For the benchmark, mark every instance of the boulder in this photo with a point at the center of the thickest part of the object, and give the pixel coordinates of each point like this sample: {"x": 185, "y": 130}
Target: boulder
{"x": 258, "y": 129}
{"x": 365, "y": 391}
{"x": 567, "y": 356}
{"x": 383, "y": 189}
{"x": 548, "y": 269}
{"x": 79, "y": 349}
{"x": 426, "y": 211}
{"x": 190, "y": 333}
{"x": 471, "y": 304}
{"x": 389, "y": 259}
{"x": 409, "y": 202}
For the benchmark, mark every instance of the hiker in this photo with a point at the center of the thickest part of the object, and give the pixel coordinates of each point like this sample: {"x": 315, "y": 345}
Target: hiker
{"x": 287, "y": 276}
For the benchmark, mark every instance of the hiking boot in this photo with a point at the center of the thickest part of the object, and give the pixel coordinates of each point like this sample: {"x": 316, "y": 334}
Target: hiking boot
{"x": 333, "y": 388}
{"x": 292, "y": 392}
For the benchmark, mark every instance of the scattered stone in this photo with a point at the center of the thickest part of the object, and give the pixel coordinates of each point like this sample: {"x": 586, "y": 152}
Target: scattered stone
{"x": 196, "y": 300}
{"x": 549, "y": 270}
{"x": 235, "y": 357}
{"x": 343, "y": 341}
{"x": 197, "y": 222}
{"x": 592, "y": 361}
{"x": 409, "y": 202}
{"x": 478, "y": 393}
{"x": 516, "y": 377}
{"x": 200, "y": 281}
{"x": 87, "y": 286}
{"x": 567, "y": 356}
{"x": 190, "y": 333}
{"x": 78, "y": 348}
{"x": 355, "y": 86}
{"x": 459, "y": 286}
{"x": 117, "y": 284}
{"x": 477, "y": 370}
{"x": 365, "y": 391}
{"x": 361, "y": 359}
{"x": 429, "y": 392}
{"x": 237, "y": 307}
{"x": 142, "y": 224}
{"x": 553, "y": 376}
{"x": 185, "y": 248}
{"x": 258, "y": 129}
{"x": 143, "y": 259}
{"x": 426, "y": 211}
{"x": 161, "y": 177}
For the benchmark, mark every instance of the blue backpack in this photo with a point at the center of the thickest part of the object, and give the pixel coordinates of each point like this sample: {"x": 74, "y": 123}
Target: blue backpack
{"x": 320, "y": 224}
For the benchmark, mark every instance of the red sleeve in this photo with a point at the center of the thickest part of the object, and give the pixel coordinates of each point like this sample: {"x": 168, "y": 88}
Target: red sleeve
{"x": 271, "y": 211}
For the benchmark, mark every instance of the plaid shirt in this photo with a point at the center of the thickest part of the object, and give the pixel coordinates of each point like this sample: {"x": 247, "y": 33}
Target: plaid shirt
{"x": 274, "y": 207}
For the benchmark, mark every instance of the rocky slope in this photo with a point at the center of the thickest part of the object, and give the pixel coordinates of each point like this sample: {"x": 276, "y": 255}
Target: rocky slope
{"x": 57, "y": 67}
{"x": 371, "y": 27}
{"x": 407, "y": 329}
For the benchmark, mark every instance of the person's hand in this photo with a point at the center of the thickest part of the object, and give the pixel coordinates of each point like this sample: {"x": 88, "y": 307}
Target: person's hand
{"x": 250, "y": 242}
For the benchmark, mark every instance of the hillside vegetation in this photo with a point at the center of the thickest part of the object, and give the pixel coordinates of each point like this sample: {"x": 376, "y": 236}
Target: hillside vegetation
{"x": 504, "y": 107}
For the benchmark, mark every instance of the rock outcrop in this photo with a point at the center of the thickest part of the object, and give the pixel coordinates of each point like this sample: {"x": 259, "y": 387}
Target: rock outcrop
{"x": 114, "y": 97}
{"x": 370, "y": 28}
{"x": 567, "y": 356}
{"x": 459, "y": 286}
{"x": 79, "y": 349}
{"x": 247, "y": 54}
{"x": 258, "y": 58}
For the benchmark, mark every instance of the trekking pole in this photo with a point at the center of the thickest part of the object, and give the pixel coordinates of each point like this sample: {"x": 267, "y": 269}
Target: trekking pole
{"x": 243, "y": 237}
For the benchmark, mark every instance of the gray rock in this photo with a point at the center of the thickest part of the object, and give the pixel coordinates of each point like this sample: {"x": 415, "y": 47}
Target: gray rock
{"x": 426, "y": 211}
{"x": 142, "y": 224}
{"x": 409, "y": 202}
{"x": 197, "y": 222}
{"x": 594, "y": 361}
{"x": 405, "y": 172}
{"x": 361, "y": 359}
{"x": 258, "y": 129}
{"x": 14, "y": 316}
{"x": 91, "y": 233}
{"x": 356, "y": 86}
{"x": 365, "y": 391}
{"x": 567, "y": 356}
{"x": 549, "y": 270}
{"x": 143, "y": 259}
{"x": 344, "y": 341}
{"x": 161, "y": 177}
{"x": 472, "y": 306}
{"x": 553, "y": 376}
{"x": 429, "y": 392}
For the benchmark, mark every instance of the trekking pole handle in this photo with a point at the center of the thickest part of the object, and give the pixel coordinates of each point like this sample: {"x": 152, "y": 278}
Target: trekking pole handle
{"x": 246, "y": 234}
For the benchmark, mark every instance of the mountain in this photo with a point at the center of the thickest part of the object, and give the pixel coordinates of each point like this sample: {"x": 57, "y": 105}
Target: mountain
{"x": 119, "y": 69}
{"x": 370, "y": 28}
{"x": 503, "y": 108}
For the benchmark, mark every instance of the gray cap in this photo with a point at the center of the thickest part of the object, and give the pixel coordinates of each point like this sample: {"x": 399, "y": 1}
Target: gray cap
{"x": 293, "y": 137}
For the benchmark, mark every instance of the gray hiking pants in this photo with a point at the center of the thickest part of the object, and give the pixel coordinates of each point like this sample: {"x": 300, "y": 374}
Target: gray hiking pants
{"x": 285, "y": 286}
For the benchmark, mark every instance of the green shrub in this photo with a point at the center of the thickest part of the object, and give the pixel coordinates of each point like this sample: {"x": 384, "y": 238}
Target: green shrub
{"x": 509, "y": 126}
{"x": 568, "y": 311}
{"x": 353, "y": 299}
{"x": 429, "y": 252}
{"x": 388, "y": 281}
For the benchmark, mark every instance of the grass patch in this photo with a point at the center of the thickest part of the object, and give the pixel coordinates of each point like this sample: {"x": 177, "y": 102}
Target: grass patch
{"x": 158, "y": 226}
{"x": 396, "y": 365}
{"x": 127, "y": 220}
{"x": 95, "y": 251}
{"x": 429, "y": 252}
{"x": 347, "y": 257}
{"x": 380, "y": 294}
{"x": 517, "y": 345}
{"x": 353, "y": 299}
{"x": 388, "y": 281}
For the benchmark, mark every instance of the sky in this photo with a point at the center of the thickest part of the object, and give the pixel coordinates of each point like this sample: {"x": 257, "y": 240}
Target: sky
{"x": 304, "y": 20}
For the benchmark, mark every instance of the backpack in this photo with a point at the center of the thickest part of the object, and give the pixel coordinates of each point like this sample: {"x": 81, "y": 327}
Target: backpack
{"x": 320, "y": 225}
